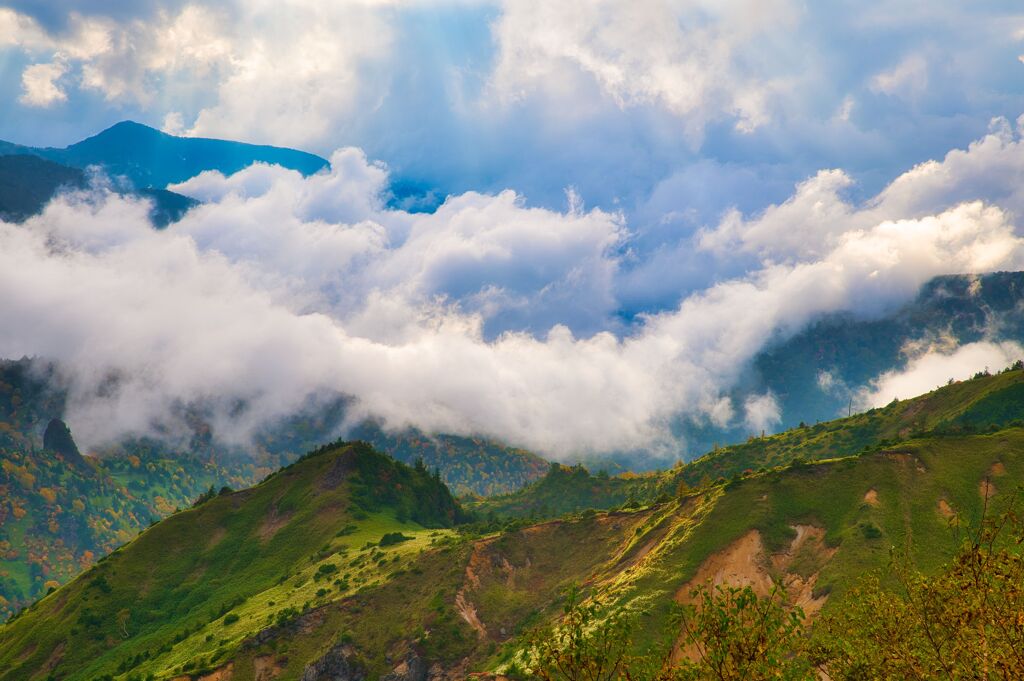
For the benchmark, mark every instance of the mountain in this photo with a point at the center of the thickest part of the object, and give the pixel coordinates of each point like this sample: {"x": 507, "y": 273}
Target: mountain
{"x": 468, "y": 465}
{"x": 60, "y": 511}
{"x": 348, "y": 565}
{"x": 149, "y": 158}
{"x": 816, "y": 375}
{"x": 340, "y": 520}
{"x": 983, "y": 403}
{"x": 27, "y": 183}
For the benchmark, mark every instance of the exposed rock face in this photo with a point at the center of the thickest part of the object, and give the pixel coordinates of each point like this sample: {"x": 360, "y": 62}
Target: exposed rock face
{"x": 338, "y": 664}
{"x": 57, "y": 438}
{"x": 412, "y": 668}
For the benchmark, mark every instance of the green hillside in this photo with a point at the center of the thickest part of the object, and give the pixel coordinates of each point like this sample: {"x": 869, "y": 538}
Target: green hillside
{"x": 198, "y": 584}
{"x": 332, "y": 566}
{"x": 983, "y": 403}
{"x": 59, "y": 513}
{"x": 468, "y": 465}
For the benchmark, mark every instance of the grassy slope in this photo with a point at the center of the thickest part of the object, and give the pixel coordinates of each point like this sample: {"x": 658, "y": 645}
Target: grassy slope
{"x": 469, "y": 465}
{"x": 178, "y": 579}
{"x": 159, "y": 601}
{"x": 642, "y": 558}
{"x": 967, "y": 406}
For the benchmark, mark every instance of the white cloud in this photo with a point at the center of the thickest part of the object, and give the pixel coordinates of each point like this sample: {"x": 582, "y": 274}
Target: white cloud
{"x": 281, "y": 288}
{"x": 286, "y": 71}
{"x": 909, "y": 78}
{"x": 935, "y": 368}
{"x": 817, "y": 216}
{"x": 761, "y": 412}
{"x": 694, "y": 58}
{"x": 806, "y": 225}
{"x": 39, "y": 84}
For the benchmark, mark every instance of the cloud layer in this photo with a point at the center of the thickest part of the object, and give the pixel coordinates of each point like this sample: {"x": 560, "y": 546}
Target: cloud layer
{"x": 486, "y": 316}
{"x": 627, "y": 201}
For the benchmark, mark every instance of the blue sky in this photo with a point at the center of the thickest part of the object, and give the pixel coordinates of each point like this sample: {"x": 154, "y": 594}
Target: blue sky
{"x": 665, "y": 159}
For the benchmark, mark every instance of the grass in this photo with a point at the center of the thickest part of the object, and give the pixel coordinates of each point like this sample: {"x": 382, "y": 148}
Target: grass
{"x": 281, "y": 572}
{"x": 170, "y": 588}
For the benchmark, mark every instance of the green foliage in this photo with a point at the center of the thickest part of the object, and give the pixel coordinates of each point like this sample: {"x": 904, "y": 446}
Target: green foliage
{"x": 967, "y": 621}
{"x": 732, "y": 633}
{"x": 728, "y": 634}
{"x": 589, "y": 643}
{"x": 392, "y": 538}
{"x": 467, "y": 465}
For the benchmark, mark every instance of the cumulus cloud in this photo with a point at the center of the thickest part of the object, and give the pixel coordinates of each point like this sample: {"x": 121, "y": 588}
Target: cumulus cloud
{"x": 935, "y": 368}
{"x": 487, "y": 316}
{"x": 40, "y": 86}
{"x": 761, "y": 412}
{"x": 819, "y": 215}
{"x": 907, "y": 79}
{"x": 693, "y": 58}
{"x": 284, "y": 71}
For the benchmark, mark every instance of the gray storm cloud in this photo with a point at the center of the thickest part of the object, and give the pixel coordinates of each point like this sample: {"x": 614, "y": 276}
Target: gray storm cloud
{"x": 488, "y": 316}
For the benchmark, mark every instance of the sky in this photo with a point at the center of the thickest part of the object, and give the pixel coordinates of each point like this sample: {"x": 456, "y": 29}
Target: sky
{"x": 565, "y": 225}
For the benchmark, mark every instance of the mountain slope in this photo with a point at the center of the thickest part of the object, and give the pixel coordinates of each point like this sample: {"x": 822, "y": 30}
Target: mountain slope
{"x": 818, "y": 373}
{"x": 985, "y": 402}
{"x": 27, "y": 183}
{"x": 297, "y": 577}
{"x": 166, "y": 594}
{"x": 467, "y": 465}
{"x": 150, "y": 158}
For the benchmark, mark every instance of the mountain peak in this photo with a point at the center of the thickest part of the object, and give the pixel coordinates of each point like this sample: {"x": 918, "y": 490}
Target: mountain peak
{"x": 131, "y": 127}
{"x": 57, "y": 438}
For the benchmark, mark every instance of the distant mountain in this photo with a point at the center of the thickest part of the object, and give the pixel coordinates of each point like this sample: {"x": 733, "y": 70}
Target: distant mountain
{"x": 985, "y": 403}
{"x": 469, "y": 465}
{"x": 151, "y": 159}
{"x": 850, "y": 351}
{"x": 348, "y": 565}
{"x": 28, "y": 182}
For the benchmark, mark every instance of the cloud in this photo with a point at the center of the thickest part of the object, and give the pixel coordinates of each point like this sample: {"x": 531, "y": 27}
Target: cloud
{"x": 40, "y": 84}
{"x": 487, "y": 316}
{"x": 286, "y": 71}
{"x": 935, "y": 368}
{"x": 818, "y": 215}
{"x": 761, "y": 412}
{"x": 693, "y": 58}
{"x": 909, "y": 78}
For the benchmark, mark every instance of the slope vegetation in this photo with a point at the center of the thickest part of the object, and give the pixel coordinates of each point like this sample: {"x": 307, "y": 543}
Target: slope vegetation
{"x": 193, "y": 588}
{"x": 350, "y": 565}
{"x": 983, "y": 403}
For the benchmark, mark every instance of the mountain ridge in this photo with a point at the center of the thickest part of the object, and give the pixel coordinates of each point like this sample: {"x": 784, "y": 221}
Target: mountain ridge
{"x": 463, "y": 600}
{"x": 150, "y": 158}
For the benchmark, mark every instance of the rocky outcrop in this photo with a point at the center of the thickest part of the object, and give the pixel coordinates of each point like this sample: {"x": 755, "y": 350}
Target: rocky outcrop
{"x": 338, "y": 664}
{"x": 412, "y": 668}
{"x": 57, "y": 438}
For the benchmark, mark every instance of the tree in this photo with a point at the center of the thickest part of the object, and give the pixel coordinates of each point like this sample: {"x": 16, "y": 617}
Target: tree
{"x": 732, "y": 633}
{"x": 589, "y": 643}
{"x": 965, "y": 622}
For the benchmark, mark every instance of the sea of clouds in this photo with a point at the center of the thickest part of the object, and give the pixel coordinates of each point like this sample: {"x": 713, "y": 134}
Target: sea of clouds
{"x": 486, "y": 316}
{"x": 626, "y": 202}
